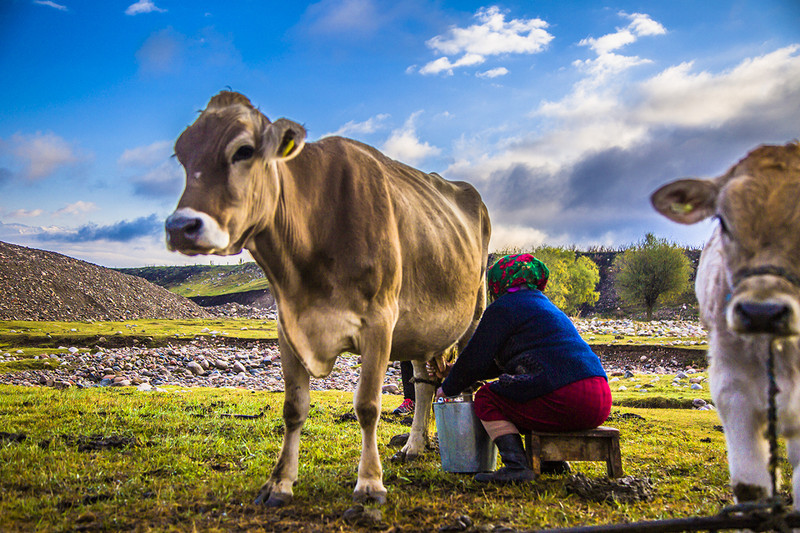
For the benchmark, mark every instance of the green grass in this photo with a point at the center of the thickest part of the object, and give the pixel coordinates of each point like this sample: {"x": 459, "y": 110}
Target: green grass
{"x": 17, "y": 334}
{"x": 184, "y": 466}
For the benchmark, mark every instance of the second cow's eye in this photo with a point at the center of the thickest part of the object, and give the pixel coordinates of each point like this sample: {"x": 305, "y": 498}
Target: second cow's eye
{"x": 244, "y": 152}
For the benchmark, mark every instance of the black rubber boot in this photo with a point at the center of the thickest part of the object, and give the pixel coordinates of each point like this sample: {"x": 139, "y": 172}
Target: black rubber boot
{"x": 556, "y": 468}
{"x": 516, "y": 467}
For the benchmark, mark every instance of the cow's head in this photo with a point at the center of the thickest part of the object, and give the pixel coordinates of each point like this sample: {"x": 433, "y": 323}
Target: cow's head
{"x": 231, "y": 155}
{"x": 757, "y": 204}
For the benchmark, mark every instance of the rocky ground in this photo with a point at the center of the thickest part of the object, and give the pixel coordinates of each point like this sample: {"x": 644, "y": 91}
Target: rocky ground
{"x": 40, "y": 285}
{"x": 214, "y": 362}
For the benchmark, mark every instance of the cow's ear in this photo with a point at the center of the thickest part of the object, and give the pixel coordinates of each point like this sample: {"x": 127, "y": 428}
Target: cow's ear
{"x": 283, "y": 139}
{"x": 686, "y": 201}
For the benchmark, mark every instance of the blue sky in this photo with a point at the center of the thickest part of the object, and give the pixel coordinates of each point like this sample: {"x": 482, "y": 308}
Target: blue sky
{"x": 564, "y": 115}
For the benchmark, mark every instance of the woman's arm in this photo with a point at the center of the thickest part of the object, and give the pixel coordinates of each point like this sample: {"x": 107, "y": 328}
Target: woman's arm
{"x": 476, "y": 362}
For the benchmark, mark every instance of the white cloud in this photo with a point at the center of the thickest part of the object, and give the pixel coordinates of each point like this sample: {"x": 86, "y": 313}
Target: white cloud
{"x": 48, "y": 3}
{"x": 42, "y": 154}
{"x": 371, "y": 125}
{"x": 25, "y": 213}
{"x": 642, "y": 25}
{"x": 493, "y": 73}
{"x": 404, "y": 145}
{"x": 608, "y": 62}
{"x": 508, "y": 236}
{"x": 162, "y": 181}
{"x": 143, "y": 156}
{"x": 680, "y": 97}
{"x": 492, "y": 35}
{"x": 443, "y": 64}
{"x": 77, "y": 208}
{"x": 143, "y": 6}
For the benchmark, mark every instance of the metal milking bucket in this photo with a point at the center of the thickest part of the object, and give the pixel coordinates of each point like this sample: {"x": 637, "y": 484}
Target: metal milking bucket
{"x": 464, "y": 445}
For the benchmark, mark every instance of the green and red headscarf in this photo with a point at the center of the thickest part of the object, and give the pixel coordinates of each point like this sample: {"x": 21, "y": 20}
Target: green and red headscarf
{"x": 514, "y": 272}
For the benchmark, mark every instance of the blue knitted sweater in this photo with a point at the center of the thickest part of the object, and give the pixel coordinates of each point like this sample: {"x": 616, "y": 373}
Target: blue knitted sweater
{"x": 529, "y": 344}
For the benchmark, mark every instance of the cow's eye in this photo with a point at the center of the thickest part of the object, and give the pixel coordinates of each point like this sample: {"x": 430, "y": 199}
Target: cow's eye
{"x": 243, "y": 153}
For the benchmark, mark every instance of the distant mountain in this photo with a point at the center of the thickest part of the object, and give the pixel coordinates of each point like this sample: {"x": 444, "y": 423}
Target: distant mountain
{"x": 203, "y": 280}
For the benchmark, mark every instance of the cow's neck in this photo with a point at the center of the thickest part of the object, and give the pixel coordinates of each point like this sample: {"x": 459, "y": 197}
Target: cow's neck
{"x": 285, "y": 248}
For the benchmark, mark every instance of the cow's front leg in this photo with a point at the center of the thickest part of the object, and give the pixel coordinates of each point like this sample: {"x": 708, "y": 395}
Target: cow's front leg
{"x": 744, "y": 422}
{"x": 367, "y": 403}
{"x": 277, "y": 491}
{"x": 423, "y": 396}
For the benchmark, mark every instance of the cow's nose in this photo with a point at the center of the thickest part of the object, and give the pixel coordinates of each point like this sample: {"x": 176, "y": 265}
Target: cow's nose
{"x": 184, "y": 225}
{"x": 762, "y": 317}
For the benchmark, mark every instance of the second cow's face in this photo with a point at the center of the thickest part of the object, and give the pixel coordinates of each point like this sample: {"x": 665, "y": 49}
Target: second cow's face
{"x": 230, "y": 156}
{"x": 756, "y": 204}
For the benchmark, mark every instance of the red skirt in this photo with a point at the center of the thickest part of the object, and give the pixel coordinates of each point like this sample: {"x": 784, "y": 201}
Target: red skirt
{"x": 584, "y": 404}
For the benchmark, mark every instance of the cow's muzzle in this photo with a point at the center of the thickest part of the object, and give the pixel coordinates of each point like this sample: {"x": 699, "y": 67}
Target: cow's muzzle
{"x": 767, "y": 309}
{"x": 193, "y": 232}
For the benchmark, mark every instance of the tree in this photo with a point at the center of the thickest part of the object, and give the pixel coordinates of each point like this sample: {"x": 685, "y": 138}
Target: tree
{"x": 572, "y": 280}
{"x": 650, "y": 272}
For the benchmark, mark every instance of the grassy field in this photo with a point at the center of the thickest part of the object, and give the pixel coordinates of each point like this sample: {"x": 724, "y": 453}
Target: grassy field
{"x": 116, "y": 459}
{"x": 108, "y": 459}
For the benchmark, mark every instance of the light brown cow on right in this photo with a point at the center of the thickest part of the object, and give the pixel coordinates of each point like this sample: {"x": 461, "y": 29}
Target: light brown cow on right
{"x": 748, "y": 288}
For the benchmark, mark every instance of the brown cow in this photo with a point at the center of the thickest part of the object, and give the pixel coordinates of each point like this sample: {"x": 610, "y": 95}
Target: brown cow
{"x": 748, "y": 288}
{"x": 364, "y": 254}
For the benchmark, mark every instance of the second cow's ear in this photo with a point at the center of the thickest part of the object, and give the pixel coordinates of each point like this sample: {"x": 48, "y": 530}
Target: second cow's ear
{"x": 283, "y": 139}
{"x": 686, "y": 201}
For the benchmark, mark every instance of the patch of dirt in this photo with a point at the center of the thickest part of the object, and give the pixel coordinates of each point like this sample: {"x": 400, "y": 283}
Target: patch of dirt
{"x": 40, "y": 285}
{"x": 91, "y": 443}
{"x": 12, "y": 437}
{"x": 628, "y": 489}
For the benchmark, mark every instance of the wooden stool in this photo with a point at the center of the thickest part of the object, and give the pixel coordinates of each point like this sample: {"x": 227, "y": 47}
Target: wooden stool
{"x": 600, "y": 444}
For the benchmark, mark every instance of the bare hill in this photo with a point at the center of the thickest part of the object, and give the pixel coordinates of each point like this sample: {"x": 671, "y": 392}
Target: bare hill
{"x": 40, "y": 285}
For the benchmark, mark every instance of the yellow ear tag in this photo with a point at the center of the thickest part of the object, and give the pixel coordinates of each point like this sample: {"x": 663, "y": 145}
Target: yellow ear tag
{"x": 681, "y": 208}
{"x": 289, "y": 147}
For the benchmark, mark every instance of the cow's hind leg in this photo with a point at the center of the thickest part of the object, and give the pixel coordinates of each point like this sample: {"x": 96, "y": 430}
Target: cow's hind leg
{"x": 423, "y": 396}
{"x": 277, "y": 491}
{"x": 367, "y": 403}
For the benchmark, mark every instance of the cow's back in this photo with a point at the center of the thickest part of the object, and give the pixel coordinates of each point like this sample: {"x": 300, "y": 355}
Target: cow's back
{"x": 442, "y": 231}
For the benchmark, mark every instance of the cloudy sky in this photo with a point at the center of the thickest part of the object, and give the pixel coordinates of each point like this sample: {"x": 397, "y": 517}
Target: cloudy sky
{"x": 564, "y": 115}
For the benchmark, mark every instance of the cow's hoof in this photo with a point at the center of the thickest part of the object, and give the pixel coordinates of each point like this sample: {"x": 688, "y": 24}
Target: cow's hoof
{"x": 370, "y": 497}
{"x": 403, "y": 457}
{"x": 748, "y": 493}
{"x": 268, "y": 499}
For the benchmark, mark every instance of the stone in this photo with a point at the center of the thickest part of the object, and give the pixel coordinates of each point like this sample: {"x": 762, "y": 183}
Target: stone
{"x": 239, "y": 367}
{"x": 391, "y": 388}
{"x": 696, "y": 386}
{"x": 195, "y": 368}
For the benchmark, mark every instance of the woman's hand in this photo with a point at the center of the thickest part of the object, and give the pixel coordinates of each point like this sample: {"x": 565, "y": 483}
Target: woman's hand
{"x": 439, "y": 394}
{"x": 437, "y": 368}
